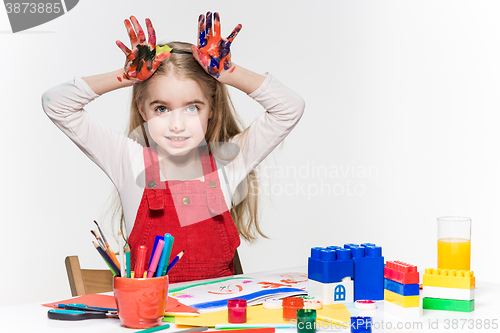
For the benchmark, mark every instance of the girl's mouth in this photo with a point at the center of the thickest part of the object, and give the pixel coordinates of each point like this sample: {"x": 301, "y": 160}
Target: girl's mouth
{"x": 177, "y": 138}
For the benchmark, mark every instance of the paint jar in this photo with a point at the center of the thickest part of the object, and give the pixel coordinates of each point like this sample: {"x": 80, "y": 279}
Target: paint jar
{"x": 140, "y": 302}
{"x": 312, "y": 303}
{"x": 237, "y": 311}
{"x": 306, "y": 320}
{"x": 290, "y": 307}
{"x": 454, "y": 242}
{"x": 361, "y": 324}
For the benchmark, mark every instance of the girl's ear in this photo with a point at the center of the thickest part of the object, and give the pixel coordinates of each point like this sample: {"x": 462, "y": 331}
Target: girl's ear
{"x": 141, "y": 111}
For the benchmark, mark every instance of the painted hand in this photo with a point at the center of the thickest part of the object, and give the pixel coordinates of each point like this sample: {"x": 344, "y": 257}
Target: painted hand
{"x": 142, "y": 61}
{"x": 213, "y": 52}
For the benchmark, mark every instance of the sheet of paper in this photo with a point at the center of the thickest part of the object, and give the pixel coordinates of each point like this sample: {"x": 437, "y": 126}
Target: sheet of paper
{"x": 202, "y": 294}
{"x": 107, "y": 301}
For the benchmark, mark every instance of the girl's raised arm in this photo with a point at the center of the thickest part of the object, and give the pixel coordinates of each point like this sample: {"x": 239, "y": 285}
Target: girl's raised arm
{"x": 141, "y": 62}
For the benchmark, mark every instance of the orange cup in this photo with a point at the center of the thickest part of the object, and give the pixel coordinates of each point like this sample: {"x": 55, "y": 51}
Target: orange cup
{"x": 140, "y": 302}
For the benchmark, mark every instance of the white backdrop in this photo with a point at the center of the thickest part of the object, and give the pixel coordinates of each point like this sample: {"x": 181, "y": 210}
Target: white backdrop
{"x": 400, "y": 127}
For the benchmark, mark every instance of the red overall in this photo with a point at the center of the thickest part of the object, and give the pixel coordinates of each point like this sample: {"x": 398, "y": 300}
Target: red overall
{"x": 210, "y": 237}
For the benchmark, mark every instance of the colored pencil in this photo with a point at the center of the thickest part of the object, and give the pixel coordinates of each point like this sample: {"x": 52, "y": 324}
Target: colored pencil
{"x": 155, "y": 329}
{"x": 99, "y": 240}
{"x": 127, "y": 255}
{"x": 176, "y": 259}
{"x": 103, "y": 246}
{"x": 158, "y": 328}
{"x": 110, "y": 268}
{"x": 107, "y": 259}
{"x": 253, "y": 330}
{"x": 121, "y": 254}
{"x": 107, "y": 248}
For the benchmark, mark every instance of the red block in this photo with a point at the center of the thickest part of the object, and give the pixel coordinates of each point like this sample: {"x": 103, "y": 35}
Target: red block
{"x": 401, "y": 272}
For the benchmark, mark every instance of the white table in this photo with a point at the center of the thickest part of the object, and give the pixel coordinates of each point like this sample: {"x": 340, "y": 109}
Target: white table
{"x": 32, "y": 317}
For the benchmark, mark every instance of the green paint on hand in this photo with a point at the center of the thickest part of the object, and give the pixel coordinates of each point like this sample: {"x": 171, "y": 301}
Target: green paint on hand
{"x": 162, "y": 49}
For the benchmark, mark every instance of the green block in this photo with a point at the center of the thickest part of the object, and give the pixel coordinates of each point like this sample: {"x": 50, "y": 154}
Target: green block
{"x": 447, "y": 304}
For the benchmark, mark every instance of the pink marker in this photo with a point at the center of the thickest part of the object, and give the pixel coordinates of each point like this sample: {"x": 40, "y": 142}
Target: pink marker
{"x": 156, "y": 258}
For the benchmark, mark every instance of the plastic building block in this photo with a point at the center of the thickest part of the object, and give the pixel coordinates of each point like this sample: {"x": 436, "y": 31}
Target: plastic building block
{"x": 402, "y": 289}
{"x": 368, "y": 271}
{"x": 361, "y": 324}
{"x": 447, "y": 304}
{"x": 404, "y": 301}
{"x": 399, "y": 311}
{"x": 330, "y": 293}
{"x": 401, "y": 272}
{"x": 330, "y": 265}
{"x": 449, "y": 278}
{"x": 449, "y": 293}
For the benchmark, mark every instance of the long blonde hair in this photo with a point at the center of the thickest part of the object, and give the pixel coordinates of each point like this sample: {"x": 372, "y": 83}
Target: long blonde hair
{"x": 222, "y": 126}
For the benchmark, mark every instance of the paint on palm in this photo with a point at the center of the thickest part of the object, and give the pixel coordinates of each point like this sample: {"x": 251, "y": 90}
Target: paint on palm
{"x": 213, "y": 50}
{"x": 143, "y": 60}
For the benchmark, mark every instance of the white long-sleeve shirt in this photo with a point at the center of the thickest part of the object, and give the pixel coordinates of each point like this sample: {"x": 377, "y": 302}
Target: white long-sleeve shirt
{"x": 121, "y": 158}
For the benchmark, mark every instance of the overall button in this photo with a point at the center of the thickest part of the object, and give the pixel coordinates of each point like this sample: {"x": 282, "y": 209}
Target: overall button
{"x": 212, "y": 184}
{"x": 151, "y": 184}
{"x": 185, "y": 201}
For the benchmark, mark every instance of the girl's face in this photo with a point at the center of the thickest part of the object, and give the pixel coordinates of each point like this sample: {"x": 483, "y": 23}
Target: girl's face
{"x": 177, "y": 113}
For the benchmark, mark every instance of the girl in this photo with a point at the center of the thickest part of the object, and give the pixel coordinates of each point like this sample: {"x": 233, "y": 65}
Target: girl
{"x": 186, "y": 167}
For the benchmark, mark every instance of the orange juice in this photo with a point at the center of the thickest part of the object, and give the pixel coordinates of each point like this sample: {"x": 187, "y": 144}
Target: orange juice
{"x": 454, "y": 253}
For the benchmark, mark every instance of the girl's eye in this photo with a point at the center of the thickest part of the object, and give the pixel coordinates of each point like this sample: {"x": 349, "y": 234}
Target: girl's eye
{"x": 161, "y": 109}
{"x": 192, "y": 108}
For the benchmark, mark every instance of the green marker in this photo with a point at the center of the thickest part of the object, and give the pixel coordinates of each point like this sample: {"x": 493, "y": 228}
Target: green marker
{"x": 155, "y": 329}
{"x": 127, "y": 256}
{"x": 170, "y": 239}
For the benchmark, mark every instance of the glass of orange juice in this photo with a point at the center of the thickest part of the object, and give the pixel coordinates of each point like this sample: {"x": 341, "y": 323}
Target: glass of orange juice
{"x": 454, "y": 242}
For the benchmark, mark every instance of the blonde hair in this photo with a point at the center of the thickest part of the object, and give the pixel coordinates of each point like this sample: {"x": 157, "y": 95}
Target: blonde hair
{"x": 222, "y": 126}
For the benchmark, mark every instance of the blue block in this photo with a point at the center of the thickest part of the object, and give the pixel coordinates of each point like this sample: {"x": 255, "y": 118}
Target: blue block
{"x": 368, "y": 271}
{"x": 361, "y": 324}
{"x": 330, "y": 264}
{"x": 402, "y": 289}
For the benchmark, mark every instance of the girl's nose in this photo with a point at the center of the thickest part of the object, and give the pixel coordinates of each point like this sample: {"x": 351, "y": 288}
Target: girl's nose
{"x": 177, "y": 122}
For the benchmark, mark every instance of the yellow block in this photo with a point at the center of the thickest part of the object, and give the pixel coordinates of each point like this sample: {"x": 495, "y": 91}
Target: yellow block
{"x": 449, "y": 278}
{"x": 404, "y": 301}
{"x": 258, "y": 315}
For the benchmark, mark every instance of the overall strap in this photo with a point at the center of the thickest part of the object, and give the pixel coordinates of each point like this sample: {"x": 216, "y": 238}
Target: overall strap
{"x": 215, "y": 197}
{"x": 153, "y": 180}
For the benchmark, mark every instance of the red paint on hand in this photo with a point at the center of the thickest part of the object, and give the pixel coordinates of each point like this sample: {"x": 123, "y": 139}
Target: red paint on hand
{"x": 142, "y": 61}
